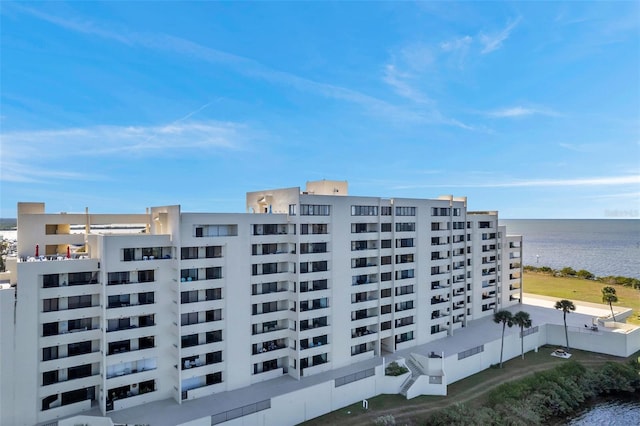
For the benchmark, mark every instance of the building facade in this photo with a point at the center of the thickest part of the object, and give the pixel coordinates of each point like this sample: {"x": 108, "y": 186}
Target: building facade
{"x": 193, "y": 304}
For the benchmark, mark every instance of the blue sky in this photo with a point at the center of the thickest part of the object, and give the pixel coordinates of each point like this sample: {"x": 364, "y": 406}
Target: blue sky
{"x": 530, "y": 108}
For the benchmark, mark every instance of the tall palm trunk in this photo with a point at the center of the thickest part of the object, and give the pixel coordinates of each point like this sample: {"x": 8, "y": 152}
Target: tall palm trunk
{"x": 504, "y": 325}
{"x": 566, "y": 333}
{"x": 612, "y": 314}
{"x": 522, "y": 340}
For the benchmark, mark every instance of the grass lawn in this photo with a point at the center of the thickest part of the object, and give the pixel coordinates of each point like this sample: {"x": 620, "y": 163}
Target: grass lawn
{"x": 578, "y": 289}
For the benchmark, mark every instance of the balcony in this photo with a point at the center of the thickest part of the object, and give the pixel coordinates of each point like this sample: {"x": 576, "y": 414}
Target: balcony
{"x": 273, "y": 345}
{"x": 364, "y": 279}
{"x": 66, "y": 291}
{"x": 202, "y": 390}
{"x": 132, "y": 368}
{"x": 130, "y": 395}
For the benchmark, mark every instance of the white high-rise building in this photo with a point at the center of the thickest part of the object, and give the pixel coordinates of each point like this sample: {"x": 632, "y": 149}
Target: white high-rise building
{"x": 199, "y": 303}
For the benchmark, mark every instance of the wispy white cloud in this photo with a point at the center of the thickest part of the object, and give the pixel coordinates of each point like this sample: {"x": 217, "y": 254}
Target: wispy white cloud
{"x": 541, "y": 183}
{"x": 400, "y": 82}
{"x": 494, "y": 41}
{"x": 458, "y": 48}
{"x": 520, "y": 111}
{"x": 635, "y": 195}
{"x": 32, "y": 156}
{"x": 19, "y": 172}
{"x": 250, "y": 67}
{"x": 583, "y": 147}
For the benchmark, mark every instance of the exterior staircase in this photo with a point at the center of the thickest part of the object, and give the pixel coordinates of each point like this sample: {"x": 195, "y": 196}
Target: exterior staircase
{"x": 416, "y": 372}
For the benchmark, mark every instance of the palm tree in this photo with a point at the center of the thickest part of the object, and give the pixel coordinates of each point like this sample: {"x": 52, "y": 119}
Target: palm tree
{"x": 506, "y": 319}
{"x": 566, "y": 306}
{"x": 609, "y": 296}
{"x": 522, "y": 320}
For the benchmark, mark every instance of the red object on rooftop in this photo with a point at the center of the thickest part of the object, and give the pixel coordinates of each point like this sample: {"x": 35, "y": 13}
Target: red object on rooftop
{"x": 37, "y": 250}
{"x": 68, "y": 252}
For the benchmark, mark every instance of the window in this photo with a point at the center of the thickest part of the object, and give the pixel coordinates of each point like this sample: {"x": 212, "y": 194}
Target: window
{"x": 80, "y": 325}
{"x": 189, "y": 296}
{"x": 213, "y": 252}
{"x": 364, "y": 210}
{"x": 213, "y": 294}
{"x": 407, "y": 273}
{"x": 118, "y": 324}
{"x": 189, "y": 341}
{"x": 79, "y": 372}
{"x": 315, "y": 210}
{"x": 75, "y": 302}
{"x": 404, "y": 258}
{"x": 81, "y": 278}
{"x": 386, "y": 292}
{"x": 358, "y": 228}
{"x": 385, "y": 243}
{"x": 146, "y": 321}
{"x": 385, "y": 211}
{"x": 118, "y": 278}
{"x": 313, "y": 248}
{"x": 404, "y": 242}
{"x": 188, "y": 275}
{"x": 404, "y": 337}
{"x": 405, "y": 289}
{"x": 318, "y": 266}
{"x": 214, "y": 357}
{"x": 292, "y": 209}
{"x": 49, "y": 377}
{"x": 189, "y": 253}
{"x": 213, "y": 315}
{"x": 146, "y": 276}
{"x": 385, "y": 276}
{"x": 50, "y": 353}
{"x": 214, "y": 336}
{"x": 403, "y": 306}
{"x": 441, "y": 211}
{"x": 215, "y": 230}
{"x": 405, "y": 227}
{"x": 50, "y": 305}
{"x": 50, "y": 329}
{"x": 80, "y": 348}
{"x": 128, "y": 254}
{"x": 214, "y": 378}
{"x": 405, "y": 211}
{"x": 189, "y": 318}
{"x": 385, "y": 309}
{"x": 214, "y": 273}
{"x": 121, "y": 346}
{"x": 146, "y": 298}
{"x": 313, "y": 228}
{"x": 385, "y": 260}
{"x": 146, "y": 342}
{"x": 118, "y": 301}
{"x": 52, "y": 280}
{"x": 404, "y": 321}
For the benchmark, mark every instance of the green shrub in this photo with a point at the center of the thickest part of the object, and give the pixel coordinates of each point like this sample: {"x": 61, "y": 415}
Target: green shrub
{"x": 395, "y": 369}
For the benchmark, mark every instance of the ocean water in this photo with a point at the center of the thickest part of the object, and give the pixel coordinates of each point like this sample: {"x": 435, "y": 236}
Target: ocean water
{"x": 612, "y": 412}
{"x": 601, "y": 246}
